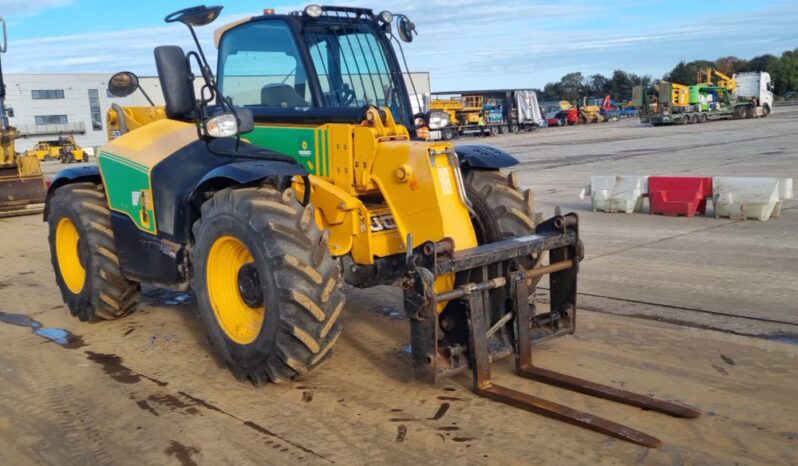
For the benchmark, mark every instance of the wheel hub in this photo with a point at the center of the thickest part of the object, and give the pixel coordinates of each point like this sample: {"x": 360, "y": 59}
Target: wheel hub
{"x": 249, "y": 285}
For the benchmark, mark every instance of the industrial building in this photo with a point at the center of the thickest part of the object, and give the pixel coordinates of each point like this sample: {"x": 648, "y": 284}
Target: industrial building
{"x": 47, "y": 105}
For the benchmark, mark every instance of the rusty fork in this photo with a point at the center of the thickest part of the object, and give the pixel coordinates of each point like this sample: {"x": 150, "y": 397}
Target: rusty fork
{"x": 484, "y": 386}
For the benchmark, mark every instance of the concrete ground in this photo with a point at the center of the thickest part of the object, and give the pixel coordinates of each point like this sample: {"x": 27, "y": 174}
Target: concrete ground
{"x": 698, "y": 310}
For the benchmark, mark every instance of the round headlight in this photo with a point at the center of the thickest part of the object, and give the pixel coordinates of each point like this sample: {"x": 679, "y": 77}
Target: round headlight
{"x": 222, "y": 126}
{"x": 313, "y": 10}
{"x": 386, "y": 16}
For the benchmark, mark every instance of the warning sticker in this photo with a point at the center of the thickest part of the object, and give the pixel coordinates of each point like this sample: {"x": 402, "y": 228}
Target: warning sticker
{"x": 446, "y": 181}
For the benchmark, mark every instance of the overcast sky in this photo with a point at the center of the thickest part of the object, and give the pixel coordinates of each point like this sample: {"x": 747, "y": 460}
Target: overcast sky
{"x": 464, "y": 44}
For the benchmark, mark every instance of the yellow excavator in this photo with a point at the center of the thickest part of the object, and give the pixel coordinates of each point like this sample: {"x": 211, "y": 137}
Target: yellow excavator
{"x": 21, "y": 180}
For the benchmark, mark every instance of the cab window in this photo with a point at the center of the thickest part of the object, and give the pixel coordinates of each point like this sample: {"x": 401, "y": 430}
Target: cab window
{"x": 260, "y": 65}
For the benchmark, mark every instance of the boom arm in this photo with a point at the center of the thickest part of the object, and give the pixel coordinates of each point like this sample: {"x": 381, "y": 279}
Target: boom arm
{"x": 705, "y": 76}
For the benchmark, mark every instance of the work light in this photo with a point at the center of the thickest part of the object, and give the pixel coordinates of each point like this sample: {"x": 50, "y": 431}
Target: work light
{"x": 386, "y": 16}
{"x": 313, "y": 10}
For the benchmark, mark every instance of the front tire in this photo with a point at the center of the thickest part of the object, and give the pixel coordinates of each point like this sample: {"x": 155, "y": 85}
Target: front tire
{"x": 84, "y": 255}
{"x": 266, "y": 286}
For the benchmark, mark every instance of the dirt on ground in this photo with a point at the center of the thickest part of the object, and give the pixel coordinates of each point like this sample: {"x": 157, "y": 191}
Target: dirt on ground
{"x": 147, "y": 389}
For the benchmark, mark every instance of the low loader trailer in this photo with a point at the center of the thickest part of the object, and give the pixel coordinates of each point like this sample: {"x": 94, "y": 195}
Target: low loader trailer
{"x": 668, "y": 103}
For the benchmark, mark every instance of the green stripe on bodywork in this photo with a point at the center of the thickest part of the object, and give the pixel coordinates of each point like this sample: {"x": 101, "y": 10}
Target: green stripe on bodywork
{"x": 297, "y": 143}
{"x": 324, "y": 169}
{"x": 125, "y": 180}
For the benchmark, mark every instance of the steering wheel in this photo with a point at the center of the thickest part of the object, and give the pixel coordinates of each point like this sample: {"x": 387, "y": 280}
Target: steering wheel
{"x": 345, "y": 95}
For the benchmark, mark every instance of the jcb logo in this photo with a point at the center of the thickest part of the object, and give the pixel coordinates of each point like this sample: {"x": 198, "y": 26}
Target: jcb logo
{"x": 382, "y": 223}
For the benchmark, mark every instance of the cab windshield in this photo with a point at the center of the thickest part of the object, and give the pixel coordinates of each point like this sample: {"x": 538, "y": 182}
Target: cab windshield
{"x": 261, "y": 65}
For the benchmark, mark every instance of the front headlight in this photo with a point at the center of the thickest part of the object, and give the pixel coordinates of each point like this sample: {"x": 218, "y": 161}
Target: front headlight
{"x": 222, "y": 126}
{"x": 438, "y": 120}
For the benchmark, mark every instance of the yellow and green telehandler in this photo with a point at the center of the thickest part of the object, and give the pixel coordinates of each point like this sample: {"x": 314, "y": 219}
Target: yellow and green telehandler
{"x": 296, "y": 169}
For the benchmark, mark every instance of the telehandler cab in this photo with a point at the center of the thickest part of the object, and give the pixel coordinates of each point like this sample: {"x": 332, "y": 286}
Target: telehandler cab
{"x": 297, "y": 169}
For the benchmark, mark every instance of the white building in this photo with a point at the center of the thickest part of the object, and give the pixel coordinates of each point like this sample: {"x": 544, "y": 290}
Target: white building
{"x": 46, "y": 105}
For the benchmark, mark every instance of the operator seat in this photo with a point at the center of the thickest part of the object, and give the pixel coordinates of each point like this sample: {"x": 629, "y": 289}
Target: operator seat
{"x": 281, "y": 95}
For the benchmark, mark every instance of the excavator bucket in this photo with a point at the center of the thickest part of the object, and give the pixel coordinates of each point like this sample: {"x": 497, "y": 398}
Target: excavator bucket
{"x": 22, "y": 188}
{"x": 493, "y": 273}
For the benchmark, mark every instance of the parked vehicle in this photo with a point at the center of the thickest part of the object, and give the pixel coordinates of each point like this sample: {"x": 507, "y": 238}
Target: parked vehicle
{"x": 502, "y": 111}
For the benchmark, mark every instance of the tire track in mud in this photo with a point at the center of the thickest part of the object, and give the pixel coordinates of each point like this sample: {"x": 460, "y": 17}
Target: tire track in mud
{"x": 157, "y": 401}
{"x": 56, "y": 410}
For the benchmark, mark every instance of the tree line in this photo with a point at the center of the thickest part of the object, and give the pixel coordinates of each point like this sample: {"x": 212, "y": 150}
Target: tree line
{"x": 573, "y": 86}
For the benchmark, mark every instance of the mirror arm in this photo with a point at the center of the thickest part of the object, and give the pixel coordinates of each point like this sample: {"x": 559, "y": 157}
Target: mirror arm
{"x": 152, "y": 104}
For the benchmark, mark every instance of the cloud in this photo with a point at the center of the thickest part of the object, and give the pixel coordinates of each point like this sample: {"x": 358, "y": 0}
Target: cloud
{"x": 475, "y": 44}
{"x": 30, "y": 7}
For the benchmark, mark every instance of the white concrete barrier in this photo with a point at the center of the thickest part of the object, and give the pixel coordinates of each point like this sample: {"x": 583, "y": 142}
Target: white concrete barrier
{"x": 745, "y": 197}
{"x": 618, "y": 193}
{"x": 785, "y": 189}
{"x": 785, "y": 192}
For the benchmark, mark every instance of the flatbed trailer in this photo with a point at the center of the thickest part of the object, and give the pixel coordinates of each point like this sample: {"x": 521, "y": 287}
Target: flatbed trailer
{"x": 662, "y": 105}
{"x": 503, "y": 111}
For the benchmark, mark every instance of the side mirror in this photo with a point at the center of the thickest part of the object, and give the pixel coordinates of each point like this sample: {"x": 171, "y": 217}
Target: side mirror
{"x": 123, "y": 84}
{"x": 177, "y": 82}
{"x": 4, "y": 45}
{"x": 406, "y": 29}
{"x": 195, "y": 16}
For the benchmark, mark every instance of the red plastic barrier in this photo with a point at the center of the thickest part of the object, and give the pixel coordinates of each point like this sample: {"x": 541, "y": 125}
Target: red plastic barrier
{"x": 679, "y": 195}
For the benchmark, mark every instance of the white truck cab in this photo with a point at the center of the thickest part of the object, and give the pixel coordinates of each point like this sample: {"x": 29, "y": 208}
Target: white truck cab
{"x": 756, "y": 84}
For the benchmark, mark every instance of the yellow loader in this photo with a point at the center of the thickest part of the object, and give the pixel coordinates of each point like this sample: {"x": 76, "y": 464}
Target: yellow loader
{"x": 296, "y": 169}
{"x": 22, "y": 189}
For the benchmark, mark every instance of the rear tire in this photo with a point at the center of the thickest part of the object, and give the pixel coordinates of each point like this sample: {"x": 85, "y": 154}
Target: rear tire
{"x": 88, "y": 273}
{"x": 289, "y": 291}
{"x": 500, "y": 210}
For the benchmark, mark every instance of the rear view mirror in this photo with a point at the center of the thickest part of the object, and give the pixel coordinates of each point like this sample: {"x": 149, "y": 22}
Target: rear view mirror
{"x": 195, "y": 16}
{"x": 406, "y": 28}
{"x": 123, "y": 84}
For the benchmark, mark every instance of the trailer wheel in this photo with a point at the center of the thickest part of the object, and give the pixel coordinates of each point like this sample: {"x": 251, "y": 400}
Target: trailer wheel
{"x": 494, "y": 130}
{"x": 267, "y": 288}
{"x": 84, "y": 255}
{"x": 751, "y": 112}
{"x": 503, "y": 129}
{"x": 514, "y": 129}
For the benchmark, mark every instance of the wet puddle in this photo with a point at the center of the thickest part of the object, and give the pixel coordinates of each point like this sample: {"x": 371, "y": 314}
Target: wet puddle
{"x": 57, "y": 335}
{"x": 790, "y": 339}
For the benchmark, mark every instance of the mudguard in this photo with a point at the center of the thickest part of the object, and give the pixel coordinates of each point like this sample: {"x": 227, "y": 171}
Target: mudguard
{"x": 84, "y": 173}
{"x": 481, "y": 156}
{"x": 249, "y": 171}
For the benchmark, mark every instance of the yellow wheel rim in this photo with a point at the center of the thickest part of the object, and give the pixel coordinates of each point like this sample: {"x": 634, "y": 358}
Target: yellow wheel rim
{"x": 66, "y": 251}
{"x": 240, "y": 321}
